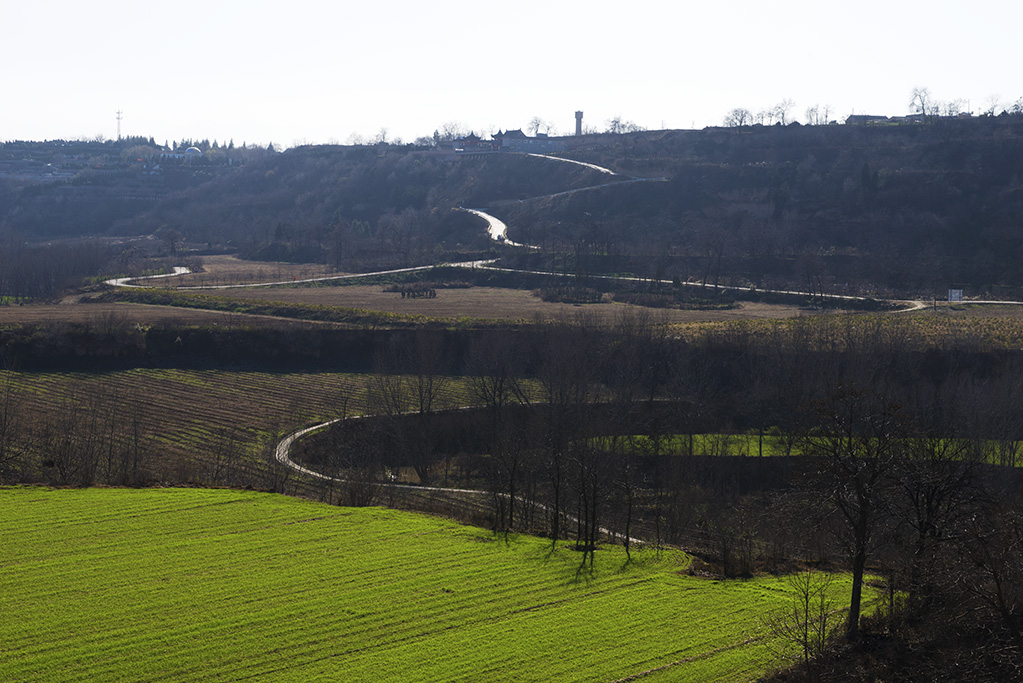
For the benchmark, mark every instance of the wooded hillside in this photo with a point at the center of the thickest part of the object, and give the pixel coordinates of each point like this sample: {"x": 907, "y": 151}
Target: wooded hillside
{"x": 908, "y": 209}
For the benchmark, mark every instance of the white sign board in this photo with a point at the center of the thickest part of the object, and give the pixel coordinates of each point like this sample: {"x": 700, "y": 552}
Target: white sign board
{"x": 955, "y": 295}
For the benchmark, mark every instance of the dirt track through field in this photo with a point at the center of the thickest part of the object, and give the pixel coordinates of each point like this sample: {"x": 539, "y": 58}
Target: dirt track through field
{"x": 282, "y": 453}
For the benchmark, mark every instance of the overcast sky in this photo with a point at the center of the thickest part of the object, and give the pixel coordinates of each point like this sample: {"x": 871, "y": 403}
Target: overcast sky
{"x": 302, "y": 71}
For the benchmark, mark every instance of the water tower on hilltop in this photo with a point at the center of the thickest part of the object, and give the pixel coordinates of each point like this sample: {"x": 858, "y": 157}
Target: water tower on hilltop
{"x": 578, "y": 123}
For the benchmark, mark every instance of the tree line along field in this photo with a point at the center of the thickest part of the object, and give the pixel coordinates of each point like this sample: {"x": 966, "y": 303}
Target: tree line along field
{"x": 182, "y": 585}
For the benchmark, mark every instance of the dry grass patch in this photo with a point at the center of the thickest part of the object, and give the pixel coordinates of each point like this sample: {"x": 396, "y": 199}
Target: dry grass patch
{"x": 102, "y": 314}
{"x": 967, "y": 310}
{"x": 495, "y": 304}
{"x": 231, "y": 270}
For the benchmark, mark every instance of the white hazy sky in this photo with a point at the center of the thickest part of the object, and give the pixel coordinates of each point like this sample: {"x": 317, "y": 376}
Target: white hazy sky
{"x": 304, "y": 71}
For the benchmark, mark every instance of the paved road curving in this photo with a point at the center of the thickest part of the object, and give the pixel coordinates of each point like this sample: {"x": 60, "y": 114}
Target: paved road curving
{"x": 573, "y": 161}
{"x": 496, "y": 228}
{"x": 283, "y": 455}
{"x": 179, "y": 270}
{"x": 127, "y": 281}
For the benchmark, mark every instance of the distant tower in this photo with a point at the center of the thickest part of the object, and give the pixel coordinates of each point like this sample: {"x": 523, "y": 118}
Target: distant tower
{"x": 118, "y": 124}
{"x": 578, "y": 123}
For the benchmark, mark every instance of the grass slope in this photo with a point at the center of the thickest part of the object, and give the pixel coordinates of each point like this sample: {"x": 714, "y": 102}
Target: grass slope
{"x": 182, "y": 585}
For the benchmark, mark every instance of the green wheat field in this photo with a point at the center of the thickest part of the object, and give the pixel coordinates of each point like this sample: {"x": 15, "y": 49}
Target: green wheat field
{"x": 220, "y": 585}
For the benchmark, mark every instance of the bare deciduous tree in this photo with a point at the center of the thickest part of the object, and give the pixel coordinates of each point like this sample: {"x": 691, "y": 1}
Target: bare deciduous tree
{"x": 618, "y": 125}
{"x": 808, "y": 623}
{"x": 536, "y": 124}
{"x": 407, "y": 388}
{"x": 738, "y": 117}
{"x": 934, "y": 481}
{"x": 782, "y": 109}
{"x": 450, "y": 131}
{"x": 921, "y": 102}
{"x": 818, "y": 115}
{"x": 493, "y": 366}
{"x": 12, "y": 432}
{"x": 858, "y": 439}
{"x": 71, "y": 441}
{"x": 225, "y": 449}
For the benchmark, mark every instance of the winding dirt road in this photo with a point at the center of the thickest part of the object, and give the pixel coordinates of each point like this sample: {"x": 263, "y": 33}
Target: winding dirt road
{"x": 180, "y": 270}
{"x": 496, "y": 228}
{"x": 573, "y": 161}
{"x": 282, "y": 453}
{"x": 127, "y": 281}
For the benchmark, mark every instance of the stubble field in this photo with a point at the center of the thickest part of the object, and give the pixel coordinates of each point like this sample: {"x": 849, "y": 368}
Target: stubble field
{"x": 105, "y": 314}
{"x": 496, "y": 304}
{"x": 230, "y": 270}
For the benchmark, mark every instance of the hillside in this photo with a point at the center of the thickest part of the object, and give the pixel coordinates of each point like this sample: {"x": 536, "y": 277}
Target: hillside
{"x": 178, "y": 585}
{"x": 340, "y": 204}
{"x": 76, "y": 188}
{"x": 854, "y": 209}
{"x": 889, "y": 210}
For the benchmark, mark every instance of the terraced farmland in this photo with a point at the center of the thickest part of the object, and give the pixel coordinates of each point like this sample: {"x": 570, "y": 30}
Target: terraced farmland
{"x": 183, "y": 585}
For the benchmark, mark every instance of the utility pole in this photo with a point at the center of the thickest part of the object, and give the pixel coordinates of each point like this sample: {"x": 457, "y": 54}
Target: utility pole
{"x": 118, "y": 124}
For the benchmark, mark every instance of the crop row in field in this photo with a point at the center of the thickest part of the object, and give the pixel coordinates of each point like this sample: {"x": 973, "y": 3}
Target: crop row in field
{"x": 987, "y": 327}
{"x": 186, "y": 411}
{"x": 177, "y": 584}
